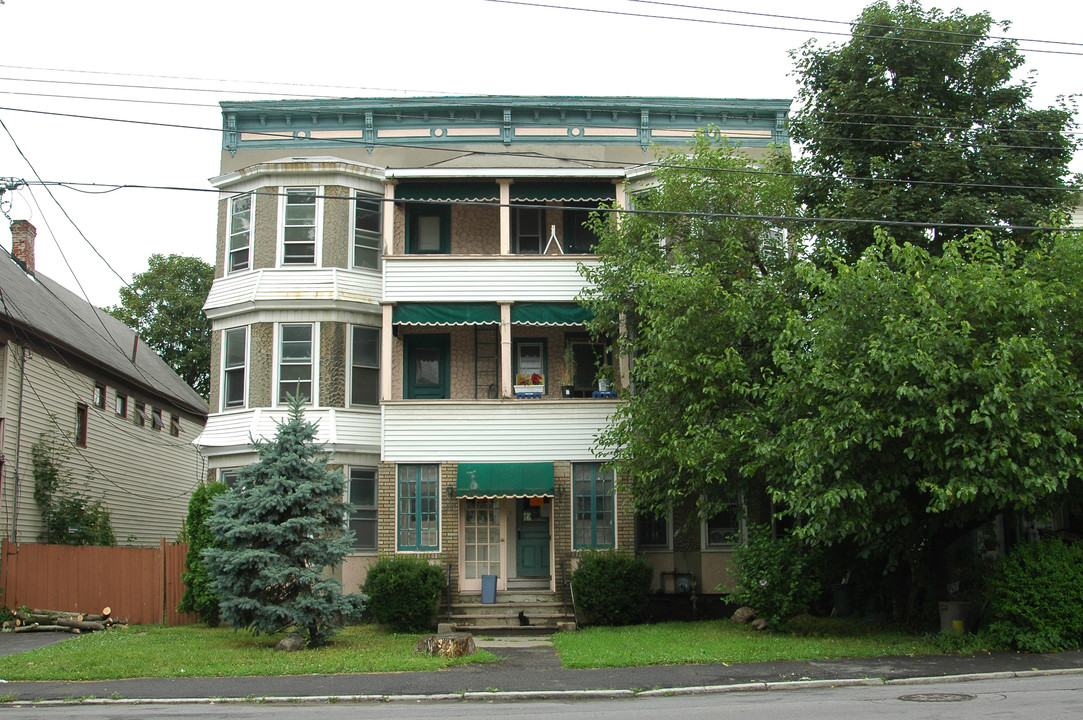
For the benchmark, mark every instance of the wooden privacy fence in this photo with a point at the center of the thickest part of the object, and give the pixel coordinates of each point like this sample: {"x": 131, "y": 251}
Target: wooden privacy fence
{"x": 138, "y": 583}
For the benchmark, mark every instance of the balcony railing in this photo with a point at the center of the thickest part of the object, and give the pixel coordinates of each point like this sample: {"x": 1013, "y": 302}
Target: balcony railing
{"x": 484, "y": 278}
{"x": 494, "y": 430}
{"x": 284, "y": 287}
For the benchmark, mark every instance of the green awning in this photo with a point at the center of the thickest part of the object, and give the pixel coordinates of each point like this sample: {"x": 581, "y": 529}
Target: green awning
{"x": 563, "y": 192}
{"x": 549, "y": 314}
{"x": 448, "y": 192}
{"x": 446, "y": 314}
{"x": 493, "y": 480}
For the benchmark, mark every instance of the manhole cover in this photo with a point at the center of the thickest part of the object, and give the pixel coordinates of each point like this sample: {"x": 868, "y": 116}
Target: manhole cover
{"x": 937, "y": 697}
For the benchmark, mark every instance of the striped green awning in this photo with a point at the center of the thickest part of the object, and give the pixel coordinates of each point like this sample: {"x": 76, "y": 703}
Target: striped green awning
{"x": 550, "y": 314}
{"x": 563, "y": 192}
{"x": 446, "y": 314}
{"x": 493, "y": 480}
{"x": 448, "y": 191}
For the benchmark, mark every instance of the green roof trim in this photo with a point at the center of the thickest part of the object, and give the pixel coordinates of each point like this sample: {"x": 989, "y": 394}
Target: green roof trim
{"x": 563, "y": 314}
{"x": 446, "y": 314}
{"x": 563, "y": 192}
{"x": 494, "y": 480}
{"x": 448, "y": 191}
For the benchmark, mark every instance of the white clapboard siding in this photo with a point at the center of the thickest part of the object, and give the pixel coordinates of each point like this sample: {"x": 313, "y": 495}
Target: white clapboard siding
{"x": 143, "y": 476}
{"x": 484, "y": 278}
{"x": 494, "y": 431}
{"x": 341, "y": 429}
{"x": 273, "y": 287}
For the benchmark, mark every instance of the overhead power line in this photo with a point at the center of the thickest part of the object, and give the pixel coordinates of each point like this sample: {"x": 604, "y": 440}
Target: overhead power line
{"x": 708, "y": 21}
{"x": 851, "y": 23}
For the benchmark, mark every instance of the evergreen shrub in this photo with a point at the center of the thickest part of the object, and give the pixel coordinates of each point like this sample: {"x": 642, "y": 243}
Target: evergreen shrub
{"x": 403, "y": 591}
{"x": 198, "y": 596}
{"x": 1036, "y": 597}
{"x": 613, "y": 588}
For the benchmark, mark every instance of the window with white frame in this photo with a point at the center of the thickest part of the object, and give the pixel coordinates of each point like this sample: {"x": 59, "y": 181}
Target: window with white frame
{"x": 593, "y": 503}
{"x": 229, "y": 476}
{"x": 299, "y": 227}
{"x": 530, "y": 363}
{"x": 295, "y": 364}
{"x": 652, "y": 531}
{"x": 362, "y": 498}
{"x": 234, "y": 365}
{"x": 240, "y": 233}
{"x": 725, "y": 528}
{"x": 367, "y": 230}
{"x": 364, "y": 365}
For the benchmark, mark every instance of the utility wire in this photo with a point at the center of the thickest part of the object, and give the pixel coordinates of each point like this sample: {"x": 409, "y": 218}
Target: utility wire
{"x": 852, "y": 23}
{"x": 624, "y": 13}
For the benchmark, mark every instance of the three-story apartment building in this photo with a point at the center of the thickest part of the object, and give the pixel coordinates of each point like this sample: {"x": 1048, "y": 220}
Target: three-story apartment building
{"x": 410, "y": 267}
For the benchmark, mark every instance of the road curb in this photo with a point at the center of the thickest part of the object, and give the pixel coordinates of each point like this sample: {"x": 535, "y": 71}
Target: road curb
{"x": 527, "y": 695}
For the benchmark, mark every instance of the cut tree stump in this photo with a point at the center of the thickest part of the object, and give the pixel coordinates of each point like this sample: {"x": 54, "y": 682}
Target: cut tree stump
{"x": 450, "y": 645}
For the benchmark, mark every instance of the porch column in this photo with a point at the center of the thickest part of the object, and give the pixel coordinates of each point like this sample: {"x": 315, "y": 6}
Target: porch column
{"x": 385, "y": 354}
{"x": 619, "y": 199}
{"x": 505, "y": 349}
{"x": 505, "y": 216}
{"x": 389, "y": 218}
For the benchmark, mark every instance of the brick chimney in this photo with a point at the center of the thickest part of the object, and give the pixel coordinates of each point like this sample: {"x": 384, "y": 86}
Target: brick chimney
{"x": 22, "y": 243}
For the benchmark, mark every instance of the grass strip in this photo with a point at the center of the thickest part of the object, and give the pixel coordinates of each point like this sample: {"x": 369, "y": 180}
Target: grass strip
{"x": 721, "y": 641}
{"x": 199, "y": 651}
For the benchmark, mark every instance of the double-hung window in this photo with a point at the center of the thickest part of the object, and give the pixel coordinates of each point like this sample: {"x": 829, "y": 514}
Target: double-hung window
{"x": 363, "y": 513}
{"x": 530, "y": 363}
{"x": 419, "y": 507}
{"x": 295, "y": 362}
{"x": 364, "y": 365}
{"x": 120, "y": 405}
{"x": 593, "y": 505}
{"x": 99, "y": 395}
{"x": 527, "y": 228}
{"x": 367, "y": 230}
{"x": 723, "y": 529}
{"x": 235, "y": 360}
{"x": 299, "y": 227}
{"x": 652, "y": 531}
{"x": 240, "y": 233}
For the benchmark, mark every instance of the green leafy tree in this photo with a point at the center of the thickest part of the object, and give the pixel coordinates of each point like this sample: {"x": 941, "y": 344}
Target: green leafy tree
{"x": 198, "y": 596}
{"x": 919, "y": 395}
{"x": 280, "y": 527}
{"x": 164, "y": 305}
{"x": 695, "y": 285}
{"x": 917, "y": 118}
{"x": 68, "y": 516}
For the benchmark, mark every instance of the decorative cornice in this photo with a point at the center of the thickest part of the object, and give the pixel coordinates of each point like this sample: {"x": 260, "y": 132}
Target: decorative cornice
{"x": 497, "y": 120}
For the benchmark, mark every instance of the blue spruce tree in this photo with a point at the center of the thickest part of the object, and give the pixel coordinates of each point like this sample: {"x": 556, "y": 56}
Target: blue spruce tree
{"x": 280, "y": 527}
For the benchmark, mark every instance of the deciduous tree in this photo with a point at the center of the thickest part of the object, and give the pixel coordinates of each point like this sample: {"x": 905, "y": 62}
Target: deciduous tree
{"x": 164, "y": 305}
{"x": 920, "y": 118}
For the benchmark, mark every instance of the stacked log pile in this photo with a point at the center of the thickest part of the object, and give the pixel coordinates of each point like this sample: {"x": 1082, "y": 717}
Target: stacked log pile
{"x": 27, "y": 620}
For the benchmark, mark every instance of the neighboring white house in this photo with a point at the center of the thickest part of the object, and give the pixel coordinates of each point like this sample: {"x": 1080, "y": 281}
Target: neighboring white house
{"x": 411, "y": 266}
{"x": 126, "y": 420}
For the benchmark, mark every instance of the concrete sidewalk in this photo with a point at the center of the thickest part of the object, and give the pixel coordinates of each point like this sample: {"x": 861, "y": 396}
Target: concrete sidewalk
{"x": 531, "y": 669}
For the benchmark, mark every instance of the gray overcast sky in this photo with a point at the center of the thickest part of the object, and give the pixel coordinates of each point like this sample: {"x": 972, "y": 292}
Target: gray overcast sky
{"x": 250, "y": 49}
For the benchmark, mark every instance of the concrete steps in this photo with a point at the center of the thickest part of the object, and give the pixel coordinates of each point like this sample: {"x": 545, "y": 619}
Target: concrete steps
{"x": 543, "y": 610}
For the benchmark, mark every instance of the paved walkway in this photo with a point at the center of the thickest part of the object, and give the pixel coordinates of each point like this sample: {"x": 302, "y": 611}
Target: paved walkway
{"x": 530, "y": 668}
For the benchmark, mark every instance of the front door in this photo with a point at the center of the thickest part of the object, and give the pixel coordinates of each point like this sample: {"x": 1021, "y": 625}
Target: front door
{"x": 532, "y": 537}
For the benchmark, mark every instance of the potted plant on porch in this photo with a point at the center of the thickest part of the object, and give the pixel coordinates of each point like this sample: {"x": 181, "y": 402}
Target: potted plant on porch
{"x": 604, "y": 377}
{"x": 567, "y": 372}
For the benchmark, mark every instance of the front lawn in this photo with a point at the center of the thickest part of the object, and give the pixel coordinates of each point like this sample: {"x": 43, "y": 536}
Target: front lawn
{"x": 199, "y": 651}
{"x": 721, "y": 641}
